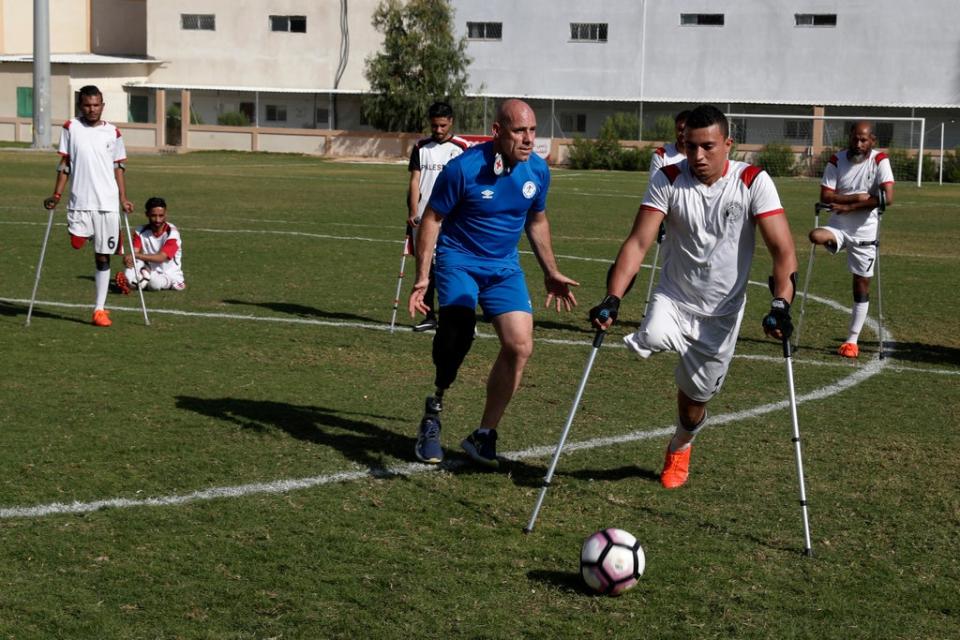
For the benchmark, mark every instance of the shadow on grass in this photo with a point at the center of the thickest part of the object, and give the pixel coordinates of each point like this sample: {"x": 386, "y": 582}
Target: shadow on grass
{"x": 567, "y": 580}
{"x": 921, "y": 352}
{"x": 364, "y": 442}
{"x": 14, "y": 310}
{"x": 303, "y": 311}
{"x": 528, "y": 475}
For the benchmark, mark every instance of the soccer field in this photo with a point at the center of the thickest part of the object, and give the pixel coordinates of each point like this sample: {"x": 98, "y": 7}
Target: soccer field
{"x": 243, "y": 467}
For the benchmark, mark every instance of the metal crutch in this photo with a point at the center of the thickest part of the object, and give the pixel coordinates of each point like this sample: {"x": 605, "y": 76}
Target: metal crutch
{"x": 43, "y": 253}
{"x": 817, "y": 208}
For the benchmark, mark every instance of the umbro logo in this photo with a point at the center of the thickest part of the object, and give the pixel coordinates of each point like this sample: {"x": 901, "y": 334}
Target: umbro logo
{"x": 487, "y": 194}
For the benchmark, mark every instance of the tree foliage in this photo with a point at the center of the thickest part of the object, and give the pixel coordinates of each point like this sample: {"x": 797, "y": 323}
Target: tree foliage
{"x": 421, "y": 62}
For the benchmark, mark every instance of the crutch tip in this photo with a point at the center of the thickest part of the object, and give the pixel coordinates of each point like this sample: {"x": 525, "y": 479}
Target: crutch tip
{"x": 527, "y": 530}
{"x": 808, "y": 552}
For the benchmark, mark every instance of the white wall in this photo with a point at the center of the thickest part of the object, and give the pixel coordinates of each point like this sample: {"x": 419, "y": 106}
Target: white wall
{"x": 880, "y": 52}
{"x": 243, "y": 51}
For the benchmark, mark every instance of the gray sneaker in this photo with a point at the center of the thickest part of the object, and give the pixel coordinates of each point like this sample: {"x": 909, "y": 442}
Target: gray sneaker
{"x": 482, "y": 447}
{"x": 428, "y": 447}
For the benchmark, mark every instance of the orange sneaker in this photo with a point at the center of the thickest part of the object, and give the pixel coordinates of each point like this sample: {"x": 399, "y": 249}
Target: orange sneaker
{"x": 849, "y": 350}
{"x": 122, "y": 283}
{"x": 101, "y": 318}
{"x": 676, "y": 468}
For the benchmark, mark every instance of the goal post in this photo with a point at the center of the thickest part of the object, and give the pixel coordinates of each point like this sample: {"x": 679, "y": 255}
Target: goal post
{"x": 802, "y": 144}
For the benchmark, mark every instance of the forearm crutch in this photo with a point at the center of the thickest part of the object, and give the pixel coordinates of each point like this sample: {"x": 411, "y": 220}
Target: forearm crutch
{"x": 817, "y": 208}
{"x": 807, "y": 548}
{"x": 43, "y": 253}
{"x": 881, "y": 207}
{"x": 136, "y": 271}
{"x": 653, "y": 270}
{"x": 597, "y": 341}
{"x": 407, "y": 250}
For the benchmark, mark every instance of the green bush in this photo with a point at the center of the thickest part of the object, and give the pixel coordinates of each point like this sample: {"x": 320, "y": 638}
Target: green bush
{"x": 663, "y": 129}
{"x": 607, "y": 154}
{"x": 776, "y": 159}
{"x": 904, "y": 166}
{"x": 620, "y": 126}
{"x": 951, "y": 166}
{"x": 233, "y": 119}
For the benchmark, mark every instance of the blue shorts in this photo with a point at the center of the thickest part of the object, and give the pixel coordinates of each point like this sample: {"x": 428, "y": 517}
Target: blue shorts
{"x": 498, "y": 289}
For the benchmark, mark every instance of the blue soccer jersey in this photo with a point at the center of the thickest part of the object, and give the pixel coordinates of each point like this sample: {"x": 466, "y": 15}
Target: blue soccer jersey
{"x": 485, "y": 213}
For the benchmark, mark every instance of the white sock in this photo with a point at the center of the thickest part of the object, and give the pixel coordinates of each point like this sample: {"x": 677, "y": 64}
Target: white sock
{"x": 857, "y": 318}
{"x": 102, "y": 280}
{"x": 683, "y": 437}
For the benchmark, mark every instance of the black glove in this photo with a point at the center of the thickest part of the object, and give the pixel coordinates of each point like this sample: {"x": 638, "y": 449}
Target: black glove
{"x": 608, "y": 309}
{"x": 779, "y": 318}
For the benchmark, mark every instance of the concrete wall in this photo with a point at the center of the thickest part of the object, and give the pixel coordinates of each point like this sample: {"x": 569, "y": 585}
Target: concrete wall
{"x": 68, "y": 26}
{"x": 119, "y": 27}
{"x": 881, "y": 51}
{"x": 244, "y": 52}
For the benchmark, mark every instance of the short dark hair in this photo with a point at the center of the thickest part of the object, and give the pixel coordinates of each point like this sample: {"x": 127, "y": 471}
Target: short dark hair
{"x": 90, "y": 90}
{"x": 681, "y": 117}
{"x": 440, "y": 110}
{"x": 154, "y": 202}
{"x": 707, "y": 115}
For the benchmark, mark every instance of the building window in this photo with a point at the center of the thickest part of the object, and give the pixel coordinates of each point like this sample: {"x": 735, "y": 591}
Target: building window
{"x": 323, "y": 118}
{"x": 276, "y": 113}
{"x": 738, "y": 130}
{"x": 198, "y": 21}
{"x": 815, "y": 19}
{"x": 798, "y": 130}
{"x": 573, "y": 122}
{"x": 293, "y": 24}
{"x": 139, "y": 109}
{"x": 588, "y": 31}
{"x": 702, "y": 19}
{"x": 485, "y": 30}
{"x": 24, "y": 102}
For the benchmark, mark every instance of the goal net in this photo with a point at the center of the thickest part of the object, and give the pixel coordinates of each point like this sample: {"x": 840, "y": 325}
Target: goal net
{"x": 789, "y": 145}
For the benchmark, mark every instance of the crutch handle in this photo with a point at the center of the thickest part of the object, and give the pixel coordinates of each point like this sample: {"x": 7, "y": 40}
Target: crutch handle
{"x": 598, "y": 338}
{"x": 881, "y": 201}
{"x": 822, "y": 206}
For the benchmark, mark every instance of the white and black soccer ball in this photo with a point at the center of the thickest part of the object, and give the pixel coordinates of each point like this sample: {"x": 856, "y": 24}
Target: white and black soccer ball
{"x": 611, "y": 561}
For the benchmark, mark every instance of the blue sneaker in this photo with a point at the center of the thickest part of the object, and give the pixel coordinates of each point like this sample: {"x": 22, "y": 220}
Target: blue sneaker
{"x": 482, "y": 447}
{"x": 428, "y": 447}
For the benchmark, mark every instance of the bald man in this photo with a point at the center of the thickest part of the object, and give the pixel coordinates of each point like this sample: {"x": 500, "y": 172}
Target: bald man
{"x": 851, "y": 185}
{"x": 485, "y": 199}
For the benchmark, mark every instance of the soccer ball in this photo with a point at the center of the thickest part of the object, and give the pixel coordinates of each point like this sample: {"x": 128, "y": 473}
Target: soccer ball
{"x": 611, "y": 561}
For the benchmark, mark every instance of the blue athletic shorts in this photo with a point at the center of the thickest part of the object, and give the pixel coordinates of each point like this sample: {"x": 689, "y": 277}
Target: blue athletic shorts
{"x": 498, "y": 289}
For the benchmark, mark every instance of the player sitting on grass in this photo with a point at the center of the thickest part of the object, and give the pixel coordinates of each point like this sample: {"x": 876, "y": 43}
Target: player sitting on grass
{"x": 158, "y": 253}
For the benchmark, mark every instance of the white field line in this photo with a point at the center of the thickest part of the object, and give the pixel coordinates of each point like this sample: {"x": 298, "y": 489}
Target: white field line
{"x": 282, "y": 486}
{"x": 388, "y": 241}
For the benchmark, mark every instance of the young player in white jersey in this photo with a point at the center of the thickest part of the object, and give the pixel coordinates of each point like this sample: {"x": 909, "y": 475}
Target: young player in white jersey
{"x": 427, "y": 160}
{"x": 157, "y": 253}
{"x": 851, "y": 185}
{"x": 712, "y": 208}
{"x": 672, "y": 152}
{"x": 92, "y": 158}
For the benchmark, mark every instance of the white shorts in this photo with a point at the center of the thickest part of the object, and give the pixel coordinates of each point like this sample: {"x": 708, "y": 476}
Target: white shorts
{"x": 705, "y": 344}
{"x": 155, "y": 279}
{"x": 102, "y": 226}
{"x": 856, "y": 240}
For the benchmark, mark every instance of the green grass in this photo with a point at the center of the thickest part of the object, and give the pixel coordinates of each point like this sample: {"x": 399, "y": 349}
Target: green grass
{"x": 217, "y": 396}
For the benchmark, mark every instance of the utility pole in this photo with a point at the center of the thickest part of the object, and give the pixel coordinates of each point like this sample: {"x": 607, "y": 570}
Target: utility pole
{"x": 41, "y": 74}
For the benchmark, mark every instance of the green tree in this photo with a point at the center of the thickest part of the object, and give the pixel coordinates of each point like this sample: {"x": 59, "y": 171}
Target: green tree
{"x": 421, "y": 62}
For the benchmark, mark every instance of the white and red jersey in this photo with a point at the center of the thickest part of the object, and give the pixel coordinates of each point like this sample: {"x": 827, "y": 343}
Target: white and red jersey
{"x": 167, "y": 242}
{"x": 847, "y": 177}
{"x": 429, "y": 157}
{"x": 709, "y": 243}
{"x": 665, "y": 155}
{"x": 92, "y": 152}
